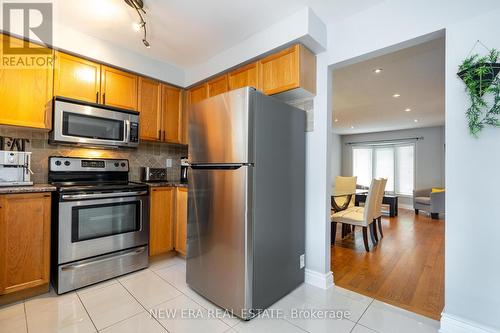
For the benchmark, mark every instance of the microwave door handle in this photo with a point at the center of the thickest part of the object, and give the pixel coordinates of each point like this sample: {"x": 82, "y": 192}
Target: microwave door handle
{"x": 127, "y": 131}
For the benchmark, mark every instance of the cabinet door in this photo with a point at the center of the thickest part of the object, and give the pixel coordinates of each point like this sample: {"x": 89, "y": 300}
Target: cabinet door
{"x": 280, "y": 71}
{"x": 198, "y": 93}
{"x": 172, "y": 113}
{"x": 26, "y": 92}
{"x": 161, "y": 236}
{"x": 246, "y": 76}
{"x": 77, "y": 78}
{"x": 118, "y": 88}
{"x": 181, "y": 220}
{"x": 217, "y": 86}
{"x": 149, "y": 109}
{"x": 24, "y": 241}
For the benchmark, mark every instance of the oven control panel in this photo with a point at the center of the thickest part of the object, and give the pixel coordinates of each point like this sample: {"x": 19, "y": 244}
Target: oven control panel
{"x": 72, "y": 164}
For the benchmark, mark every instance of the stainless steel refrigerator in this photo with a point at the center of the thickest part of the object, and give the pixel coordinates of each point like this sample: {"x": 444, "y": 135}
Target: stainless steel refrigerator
{"x": 246, "y": 206}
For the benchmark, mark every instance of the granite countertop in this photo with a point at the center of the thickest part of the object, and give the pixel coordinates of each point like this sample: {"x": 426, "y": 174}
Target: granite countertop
{"x": 166, "y": 184}
{"x": 27, "y": 189}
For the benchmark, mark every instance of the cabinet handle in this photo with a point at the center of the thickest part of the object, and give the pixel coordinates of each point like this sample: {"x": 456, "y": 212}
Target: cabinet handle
{"x": 103, "y": 98}
{"x": 97, "y": 97}
{"x": 159, "y": 135}
{"x": 163, "y": 135}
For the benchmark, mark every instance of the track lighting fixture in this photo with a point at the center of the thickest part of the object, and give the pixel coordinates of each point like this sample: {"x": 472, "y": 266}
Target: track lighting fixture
{"x": 138, "y": 5}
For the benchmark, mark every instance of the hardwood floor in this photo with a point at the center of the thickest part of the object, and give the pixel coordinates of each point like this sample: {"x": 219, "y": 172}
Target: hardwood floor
{"x": 405, "y": 268}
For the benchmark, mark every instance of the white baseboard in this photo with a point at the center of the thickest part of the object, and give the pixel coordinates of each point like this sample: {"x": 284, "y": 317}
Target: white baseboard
{"x": 320, "y": 280}
{"x": 454, "y": 324}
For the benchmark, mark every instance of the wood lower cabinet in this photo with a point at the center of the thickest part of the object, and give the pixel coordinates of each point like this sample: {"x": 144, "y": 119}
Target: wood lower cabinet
{"x": 168, "y": 220}
{"x": 246, "y": 76}
{"x": 24, "y": 242}
{"x": 77, "y": 78}
{"x": 150, "y": 109}
{"x": 25, "y": 91}
{"x": 181, "y": 211}
{"x": 118, "y": 88}
{"x": 162, "y": 209}
{"x": 217, "y": 86}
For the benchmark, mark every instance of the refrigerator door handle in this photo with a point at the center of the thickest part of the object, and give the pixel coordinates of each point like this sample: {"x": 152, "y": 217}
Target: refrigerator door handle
{"x": 214, "y": 166}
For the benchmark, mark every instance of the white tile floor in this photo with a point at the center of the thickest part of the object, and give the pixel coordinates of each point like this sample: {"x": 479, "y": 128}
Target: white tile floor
{"x": 123, "y": 305}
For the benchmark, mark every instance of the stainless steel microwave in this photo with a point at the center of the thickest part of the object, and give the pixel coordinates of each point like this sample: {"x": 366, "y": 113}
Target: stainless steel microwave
{"x": 94, "y": 125}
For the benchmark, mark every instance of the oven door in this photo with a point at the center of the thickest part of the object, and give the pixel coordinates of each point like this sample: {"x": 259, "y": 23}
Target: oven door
{"x": 87, "y": 125}
{"x": 96, "y": 224}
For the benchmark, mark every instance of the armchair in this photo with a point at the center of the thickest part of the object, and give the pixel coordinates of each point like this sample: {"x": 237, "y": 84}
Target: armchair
{"x": 432, "y": 202}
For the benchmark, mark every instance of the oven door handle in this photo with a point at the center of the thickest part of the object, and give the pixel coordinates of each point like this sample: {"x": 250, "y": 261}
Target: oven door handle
{"x": 102, "y": 195}
{"x": 89, "y": 262}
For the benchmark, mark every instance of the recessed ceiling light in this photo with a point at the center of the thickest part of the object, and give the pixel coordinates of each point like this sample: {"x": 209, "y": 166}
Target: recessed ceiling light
{"x": 415, "y": 120}
{"x": 336, "y": 120}
{"x": 407, "y": 110}
{"x": 352, "y": 127}
{"x": 378, "y": 70}
{"x": 396, "y": 95}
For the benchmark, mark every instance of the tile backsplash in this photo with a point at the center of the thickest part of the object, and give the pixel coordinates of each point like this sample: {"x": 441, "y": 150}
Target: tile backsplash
{"x": 150, "y": 154}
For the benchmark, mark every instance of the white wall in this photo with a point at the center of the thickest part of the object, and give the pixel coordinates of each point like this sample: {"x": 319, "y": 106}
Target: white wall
{"x": 472, "y": 268}
{"x": 303, "y": 26}
{"x": 429, "y": 154}
{"x": 472, "y": 291}
{"x": 336, "y": 156}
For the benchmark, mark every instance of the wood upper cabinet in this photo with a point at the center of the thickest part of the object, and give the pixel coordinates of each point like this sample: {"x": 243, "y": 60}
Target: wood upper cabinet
{"x": 181, "y": 220}
{"x": 150, "y": 109}
{"x": 77, "y": 78}
{"x": 118, "y": 88}
{"x": 161, "y": 234}
{"x": 24, "y": 241}
{"x": 292, "y": 68}
{"x": 172, "y": 114}
{"x": 217, "y": 86}
{"x": 26, "y": 93}
{"x": 246, "y": 76}
{"x": 198, "y": 93}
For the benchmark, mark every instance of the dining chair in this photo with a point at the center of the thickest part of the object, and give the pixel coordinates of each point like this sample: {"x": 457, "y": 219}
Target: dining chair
{"x": 378, "y": 209}
{"x": 362, "y": 218}
{"x": 348, "y": 185}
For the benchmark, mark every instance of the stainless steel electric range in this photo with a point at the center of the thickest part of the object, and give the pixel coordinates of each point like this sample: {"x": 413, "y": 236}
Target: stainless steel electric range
{"x": 100, "y": 223}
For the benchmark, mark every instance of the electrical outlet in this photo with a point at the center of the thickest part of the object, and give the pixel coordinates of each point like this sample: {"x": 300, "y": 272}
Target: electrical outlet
{"x": 168, "y": 163}
{"x": 302, "y": 260}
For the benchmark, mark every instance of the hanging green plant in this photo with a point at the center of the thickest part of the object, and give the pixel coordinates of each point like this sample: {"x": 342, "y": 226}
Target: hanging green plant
{"x": 480, "y": 77}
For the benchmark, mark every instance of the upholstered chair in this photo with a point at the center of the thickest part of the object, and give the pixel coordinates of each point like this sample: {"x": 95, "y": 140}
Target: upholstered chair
{"x": 345, "y": 184}
{"x": 363, "y": 218}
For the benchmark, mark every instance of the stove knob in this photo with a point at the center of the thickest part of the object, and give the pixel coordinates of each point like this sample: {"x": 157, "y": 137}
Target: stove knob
{"x": 58, "y": 163}
{"x": 117, "y": 164}
{"x": 123, "y": 164}
{"x": 67, "y": 163}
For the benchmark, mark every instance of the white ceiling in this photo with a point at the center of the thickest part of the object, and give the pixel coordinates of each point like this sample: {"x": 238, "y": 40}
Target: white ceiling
{"x": 363, "y": 100}
{"x": 189, "y": 32}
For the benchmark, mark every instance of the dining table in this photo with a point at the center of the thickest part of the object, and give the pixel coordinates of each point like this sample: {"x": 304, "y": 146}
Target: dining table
{"x": 348, "y": 197}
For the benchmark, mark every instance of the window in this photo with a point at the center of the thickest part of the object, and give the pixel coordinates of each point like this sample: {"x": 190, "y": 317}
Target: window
{"x": 394, "y": 162}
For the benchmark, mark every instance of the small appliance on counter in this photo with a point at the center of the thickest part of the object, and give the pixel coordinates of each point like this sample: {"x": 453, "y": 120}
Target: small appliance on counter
{"x": 100, "y": 221}
{"x": 184, "y": 170}
{"x": 149, "y": 175}
{"x": 15, "y": 168}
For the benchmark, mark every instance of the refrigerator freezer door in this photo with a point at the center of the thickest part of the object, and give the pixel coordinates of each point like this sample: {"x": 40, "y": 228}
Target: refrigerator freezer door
{"x": 219, "y": 260}
{"x": 219, "y": 128}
